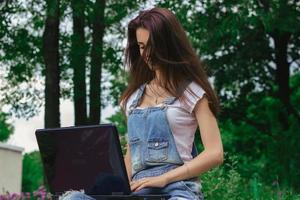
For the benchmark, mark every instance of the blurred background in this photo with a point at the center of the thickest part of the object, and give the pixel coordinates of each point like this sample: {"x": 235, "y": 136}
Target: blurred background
{"x": 61, "y": 64}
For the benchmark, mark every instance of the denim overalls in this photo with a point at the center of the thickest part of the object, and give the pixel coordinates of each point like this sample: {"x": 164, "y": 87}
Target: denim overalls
{"x": 153, "y": 149}
{"x": 153, "y": 152}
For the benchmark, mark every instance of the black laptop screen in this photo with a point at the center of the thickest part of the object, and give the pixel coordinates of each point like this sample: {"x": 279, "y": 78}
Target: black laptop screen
{"x": 87, "y": 158}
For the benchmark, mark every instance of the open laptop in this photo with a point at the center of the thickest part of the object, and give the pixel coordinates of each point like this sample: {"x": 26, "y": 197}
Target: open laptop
{"x": 85, "y": 158}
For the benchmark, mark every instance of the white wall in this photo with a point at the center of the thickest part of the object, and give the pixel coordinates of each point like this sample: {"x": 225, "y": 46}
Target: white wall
{"x": 10, "y": 168}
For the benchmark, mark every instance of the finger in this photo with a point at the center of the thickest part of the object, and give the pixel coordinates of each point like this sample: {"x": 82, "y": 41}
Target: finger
{"x": 142, "y": 180}
{"x": 132, "y": 182}
{"x": 134, "y": 186}
{"x": 137, "y": 184}
{"x": 141, "y": 187}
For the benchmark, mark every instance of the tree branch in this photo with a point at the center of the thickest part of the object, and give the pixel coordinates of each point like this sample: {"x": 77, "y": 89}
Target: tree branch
{"x": 265, "y": 4}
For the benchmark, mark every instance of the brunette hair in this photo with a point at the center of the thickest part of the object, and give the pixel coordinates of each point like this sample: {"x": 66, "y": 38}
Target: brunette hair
{"x": 168, "y": 48}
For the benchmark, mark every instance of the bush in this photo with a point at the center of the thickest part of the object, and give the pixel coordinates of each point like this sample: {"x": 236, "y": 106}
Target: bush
{"x": 225, "y": 182}
{"x": 32, "y": 175}
{"x": 6, "y": 129}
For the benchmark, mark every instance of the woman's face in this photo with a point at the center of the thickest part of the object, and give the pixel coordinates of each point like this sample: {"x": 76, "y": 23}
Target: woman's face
{"x": 142, "y": 36}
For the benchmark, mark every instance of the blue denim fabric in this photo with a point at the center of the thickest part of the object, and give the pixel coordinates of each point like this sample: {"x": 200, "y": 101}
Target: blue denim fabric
{"x": 153, "y": 149}
{"x": 187, "y": 189}
{"x": 180, "y": 190}
{"x": 150, "y": 138}
{"x": 75, "y": 195}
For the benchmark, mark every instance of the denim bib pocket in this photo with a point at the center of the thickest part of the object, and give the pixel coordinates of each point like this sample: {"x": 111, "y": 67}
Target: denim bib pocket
{"x": 157, "y": 150}
{"x": 135, "y": 149}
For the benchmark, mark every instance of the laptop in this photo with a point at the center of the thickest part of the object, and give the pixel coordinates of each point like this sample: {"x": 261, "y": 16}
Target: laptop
{"x": 87, "y": 158}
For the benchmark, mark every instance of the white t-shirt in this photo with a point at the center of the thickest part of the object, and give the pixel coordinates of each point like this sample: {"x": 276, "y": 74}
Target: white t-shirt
{"x": 181, "y": 118}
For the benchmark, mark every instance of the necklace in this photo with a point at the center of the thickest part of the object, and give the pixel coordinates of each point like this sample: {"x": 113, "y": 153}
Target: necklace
{"x": 155, "y": 95}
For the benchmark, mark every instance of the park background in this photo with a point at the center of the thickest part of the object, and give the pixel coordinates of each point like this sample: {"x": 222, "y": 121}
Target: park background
{"x": 58, "y": 51}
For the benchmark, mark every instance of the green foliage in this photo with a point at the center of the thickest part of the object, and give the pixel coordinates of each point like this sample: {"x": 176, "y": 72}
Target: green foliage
{"x": 222, "y": 183}
{"x": 32, "y": 177}
{"x": 116, "y": 16}
{"x": 260, "y": 138}
{"x": 118, "y": 78}
{"x": 239, "y": 41}
{"x": 120, "y": 121}
{"x": 5, "y": 128}
{"x": 235, "y": 39}
{"x": 225, "y": 182}
{"x": 20, "y": 57}
{"x": 22, "y": 65}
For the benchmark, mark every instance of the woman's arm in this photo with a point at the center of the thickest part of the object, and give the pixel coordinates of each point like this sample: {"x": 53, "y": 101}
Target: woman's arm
{"x": 211, "y": 156}
{"x": 127, "y": 160}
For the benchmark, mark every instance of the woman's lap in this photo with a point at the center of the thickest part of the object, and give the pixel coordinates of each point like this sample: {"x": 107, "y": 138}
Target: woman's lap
{"x": 178, "y": 191}
{"x": 184, "y": 190}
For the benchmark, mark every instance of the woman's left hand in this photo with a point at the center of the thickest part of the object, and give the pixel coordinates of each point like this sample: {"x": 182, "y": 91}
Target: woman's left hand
{"x": 157, "y": 181}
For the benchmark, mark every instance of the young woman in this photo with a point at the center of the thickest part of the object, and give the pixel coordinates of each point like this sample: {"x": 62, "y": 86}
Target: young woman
{"x": 167, "y": 98}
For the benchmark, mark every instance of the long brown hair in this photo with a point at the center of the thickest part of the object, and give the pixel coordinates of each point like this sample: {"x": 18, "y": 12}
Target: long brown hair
{"x": 169, "y": 48}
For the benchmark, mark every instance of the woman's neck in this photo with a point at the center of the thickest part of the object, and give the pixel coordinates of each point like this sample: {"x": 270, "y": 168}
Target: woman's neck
{"x": 157, "y": 79}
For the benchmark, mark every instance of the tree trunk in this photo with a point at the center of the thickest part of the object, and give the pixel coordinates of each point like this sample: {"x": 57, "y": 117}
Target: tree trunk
{"x": 282, "y": 80}
{"x": 282, "y": 67}
{"x": 78, "y": 62}
{"x": 51, "y": 59}
{"x": 96, "y": 61}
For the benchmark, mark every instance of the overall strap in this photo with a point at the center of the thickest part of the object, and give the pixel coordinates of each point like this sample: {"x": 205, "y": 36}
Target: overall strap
{"x": 136, "y": 101}
{"x": 171, "y": 99}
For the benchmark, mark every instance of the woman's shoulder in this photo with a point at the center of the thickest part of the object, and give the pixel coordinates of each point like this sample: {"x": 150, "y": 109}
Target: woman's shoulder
{"x": 195, "y": 87}
{"x": 191, "y": 95}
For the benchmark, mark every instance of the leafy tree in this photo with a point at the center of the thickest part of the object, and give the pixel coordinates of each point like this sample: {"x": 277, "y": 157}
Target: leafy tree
{"x": 102, "y": 18}
{"x": 25, "y": 52}
{"x": 252, "y": 50}
{"x": 20, "y": 57}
